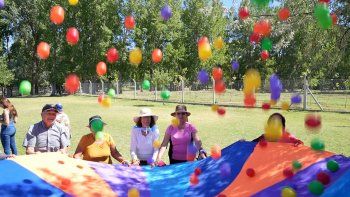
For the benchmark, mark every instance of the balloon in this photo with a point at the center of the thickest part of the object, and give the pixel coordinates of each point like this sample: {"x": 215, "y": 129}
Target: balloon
{"x": 283, "y": 14}
{"x": 194, "y": 179}
{"x": 220, "y": 86}
{"x": 264, "y": 55}
{"x": 191, "y": 152}
{"x": 221, "y": 111}
{"x": 251, "y": 81}
{"x": 157, "y": 56}
{"x": 204, "y": 51}
{"x": 112, "y": 55}
{"x": 215, "y": 152}
{"x": 275, "y": 87}
{"x": 285, "y": 106}
{"x": 133, "y": 192}
{"x": 202, "y": 40}
{"x": 175, "y": 122}
{"x": 197, "y": 171}
{"x": 135, "y": 56}
{"x": 2, "y": 4}
{"x": 288, "y": 192}
{"x": 296, "y": 99}
{"x": 266, "y": 44}
{"x": 288, "y": 173}
{"x": 111, "y": 93}
{"x": 73, "y": 2}
{"x": 313, "y": 122}
{"x": 43, "y": 50}
{"x": 317, "y": 144}
{"x": 250, "y": 172}
{"x": 100, "y": 98}
{"x": 263, "y": 143}
{"x": 235, "y": 65}
{"x": 72, "y": 36}
{"x": 218, "y": 43}
{"x": 217, "y": 73}
{"x": 99, "y": 135}
{"x": 261, "y": 3}
{"x": 332, "y": 166}
{"x": 324, "y": 1}
{"x": 72, "y": 83}
{"x": 96, "y": 125}
{"x": 165, "y": 94}
{"x": 25, "y": 87}
{"x": 316, "y": 188}
{"x": 157, "y": 144}
{"x": 106, "y": 102}
{"x": 146, "y": 85}
{"x": 57, "y": 15}
{"x": 150, "y": 160}
{"x": 262, "y": 27}
{"x": 214, "y": 108}
{"x": 243, "y": 13}
{"x": 297, "y": 165}
{"x": 101, "y": 68}
{"x": 129, "y": 22}
{"x": 203, "y": 76}
{"x": 225, "y": 170}
{"x": 266, "y": 106}
{"x": 166, "y": 12}
{"x": 323, "y": 178}
{"x": 322, "y": 15}
{"x": 273, "y": 130}
{"x": 254, "y": 38}
{"x": 334, "y": 19}
{"x": 249, "y": 100}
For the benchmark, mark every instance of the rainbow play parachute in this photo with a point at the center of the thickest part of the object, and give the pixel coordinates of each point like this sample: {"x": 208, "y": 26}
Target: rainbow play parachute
{"x": 54, "y": 174}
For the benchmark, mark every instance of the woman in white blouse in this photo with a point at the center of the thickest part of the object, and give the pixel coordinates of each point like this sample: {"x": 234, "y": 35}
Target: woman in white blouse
{"x": 143, "y": 137}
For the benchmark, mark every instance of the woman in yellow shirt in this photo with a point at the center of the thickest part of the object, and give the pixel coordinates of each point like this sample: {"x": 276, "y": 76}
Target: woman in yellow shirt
{"x": 98, "y": 150}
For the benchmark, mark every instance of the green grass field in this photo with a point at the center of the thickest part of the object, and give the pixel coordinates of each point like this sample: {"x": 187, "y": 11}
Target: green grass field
{"x": 238, "y": 123}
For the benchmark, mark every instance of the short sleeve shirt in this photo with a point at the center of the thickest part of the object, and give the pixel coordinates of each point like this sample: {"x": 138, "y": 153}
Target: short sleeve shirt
{"x": 46, "y": 139}
{"x": 96, "y": 151}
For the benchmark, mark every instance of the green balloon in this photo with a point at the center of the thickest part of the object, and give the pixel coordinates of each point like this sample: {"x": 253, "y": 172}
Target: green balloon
{"x": 165, "y": 94}
{"x": 297, "y": 165}
{"x": 111, "y": 93}
{"x": 99, "y": 135}
{"x": 146, "y": 85}
{"x": 317, "y": 144}
{"x": 97, "y": 125}
{"x": 322, "y": 15}
{"x": 332, "y": 166}
{"x": 261, "y": 3}
{"x": 25, "y": 87}
{"x": 266, "y": 44}
{"x": 316, "y": 187}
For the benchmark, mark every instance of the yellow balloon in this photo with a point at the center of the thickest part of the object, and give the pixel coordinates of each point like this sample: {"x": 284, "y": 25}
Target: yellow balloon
{"x": 204, "y": 51}
{"x": 175, "y": 122}
{"x": 135, "y": 56}
{"x": 133, "y": 192}
{"x": 273, "y": 102}
{"x": 106, "y": 102}
{"x": 251, "y": 81}
{"x": 288, "y": 192}
{"x": 73, "y": 2}
{"x": 273, "y": 130}
{"x": 285, "y": 106}
{"x": 156, "y": 144}
{"x": 214, "y": 108}
{"x": 218, "y": 43}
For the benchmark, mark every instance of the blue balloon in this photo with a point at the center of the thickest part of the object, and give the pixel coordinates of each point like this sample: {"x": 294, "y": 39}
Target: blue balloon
{"x": 275, "y": 96}
{"x": 203, "y": 77}
{"x": 2, "y": 4}
{"x": 296, "y": 99}
{"x": 235, "y": 65}
{"x": 166, "y": 12}
{"x": 150, "y": 160}
{"x": 275, "y": 87}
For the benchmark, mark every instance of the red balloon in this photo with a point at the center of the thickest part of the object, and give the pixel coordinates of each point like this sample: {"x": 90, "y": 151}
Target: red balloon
{"x": 266, "y": 106}
{"x": 334, "y": 18}
{"x": 43, "y": 50}
{"x": 263, "y": 143}
{"x": 157, "y": 56}
{"x": 217, "y": 73}
{"x": 194, "y": 179}
{"x": 202, "y": 40}
{"x": 254, "y": 38}
{"x": 129, "y": 22}
{"x": 262, "y": 27}
{"x": 72, "y": 36}
{"x": 313, "y": 122}
{"x": 324, "y": 1}
{"x": 220, "y": 86}
{"x": 264, "y": 55}
{"x": 249, "y": 100}
{"x": 323, "y": 178}
{"x": 197, "y": 171}
{"x": 288, "y": 172}
{"x": 72, "y": 83}
{"x": 284, "y": 14}
{"x": 221, "y": 111}
{"x": 112, "y": 55}
{"x": 250, "y": 172}
{"x": 100, "y": 98}
{"x": 243, "y": 13}
{"x": 57, "y": 15}
{"x": 101, "y": 68}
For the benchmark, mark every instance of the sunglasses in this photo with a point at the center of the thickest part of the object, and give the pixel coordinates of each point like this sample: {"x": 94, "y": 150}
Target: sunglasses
{"x": 181, "y": 113}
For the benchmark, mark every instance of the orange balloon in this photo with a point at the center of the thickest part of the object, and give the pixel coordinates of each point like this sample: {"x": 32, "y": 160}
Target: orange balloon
{"x": 202, "y": 40}
{"x": 72, "y": 83}
{"x": 215, "y": 152}
{"x": 157, "y": 55}
{"x": 129, "y": 22}
{"x": 57, "y": 15}
{"x": 249, "y": 100}
{"x": 284, "y": 14}
{"x": 43, "y": 50}
{"x": 334, "y": 19}
{"x": 217, "y": 73}
{"x": 262, "y": 27}
{"x": 101, "y": 68}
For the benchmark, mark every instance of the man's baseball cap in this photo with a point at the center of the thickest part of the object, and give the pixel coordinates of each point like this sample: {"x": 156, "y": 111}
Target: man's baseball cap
{"x": 49, "y": 107}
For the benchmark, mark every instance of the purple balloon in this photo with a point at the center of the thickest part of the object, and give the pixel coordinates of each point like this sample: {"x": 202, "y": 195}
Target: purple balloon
{"x": 275, "y": 87}
{"x": 150, "y": 160}
{"x": 235, "y": 65}
{"x": 2, "y": 4}
{"x": 275, "y": 96}
{"x": 296, "y": 99}
{"x": 225, "y": 170}
{"x": 166, "y": 12}
{"x": 203, "y": 77}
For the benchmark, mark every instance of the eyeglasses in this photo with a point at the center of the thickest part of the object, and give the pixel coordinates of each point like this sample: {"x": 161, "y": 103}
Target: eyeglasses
{"x": 181, "y": 113}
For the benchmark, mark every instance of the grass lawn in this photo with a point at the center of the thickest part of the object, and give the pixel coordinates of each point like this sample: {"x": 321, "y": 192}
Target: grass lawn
{"x": 238, "y": 123}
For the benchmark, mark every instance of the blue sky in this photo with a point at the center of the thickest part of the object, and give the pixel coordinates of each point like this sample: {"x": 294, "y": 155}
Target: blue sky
{"x": 227, "y": 3}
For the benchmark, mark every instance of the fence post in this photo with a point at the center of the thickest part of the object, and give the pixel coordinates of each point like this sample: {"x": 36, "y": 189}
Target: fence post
{"x": 90, "y": 87}
{"x": 117, "y": 87}
{"x": 103, "y": 85}
{"x": 155, "y": 92}
{"x": 182, "y": 91}
{"x": 306, "y": 87}
{"x": 80, "y": 89}
{"x": 214, "y": 95}
{"x": 134, "y": 88}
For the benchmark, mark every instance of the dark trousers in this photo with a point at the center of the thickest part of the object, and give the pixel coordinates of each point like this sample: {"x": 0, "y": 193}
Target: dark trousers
{"x": 143, "y": 163}
{"x": 8, "y": 138}
{"x": 174, "y": 161}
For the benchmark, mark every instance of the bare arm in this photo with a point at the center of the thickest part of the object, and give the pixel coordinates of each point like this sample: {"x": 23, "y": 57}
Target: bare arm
{"x": 198, "y": 144}
{"x": 78, "y": 153}
{"x": 162, "y": 149}
{"x": 30, "y": 151}
{"x": 6, "y": 116}
{"x": 116, "y": 155}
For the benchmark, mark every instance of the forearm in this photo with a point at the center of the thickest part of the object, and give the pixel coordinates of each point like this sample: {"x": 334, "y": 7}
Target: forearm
{"x": 116, "y": 155}
{"x": 30, "y": 151}
{"x": 160, "y": 153}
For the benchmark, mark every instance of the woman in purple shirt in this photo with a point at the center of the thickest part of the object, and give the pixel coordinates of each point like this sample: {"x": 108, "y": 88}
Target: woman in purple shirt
{"x": 181, "y": 138}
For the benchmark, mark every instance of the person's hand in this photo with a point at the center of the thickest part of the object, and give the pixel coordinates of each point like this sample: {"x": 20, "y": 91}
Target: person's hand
{"x": 135, "y": 162}
{"x": 202, "y": 156}
{"x": 297, "y": 143}
{"x": 125, "y": 163}
{"x": 11, "y": 156}
{"x": 153, "y": 164}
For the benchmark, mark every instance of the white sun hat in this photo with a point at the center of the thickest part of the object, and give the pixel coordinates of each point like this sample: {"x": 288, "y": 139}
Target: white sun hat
{"x": 144, "y": 112}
